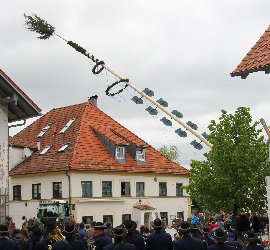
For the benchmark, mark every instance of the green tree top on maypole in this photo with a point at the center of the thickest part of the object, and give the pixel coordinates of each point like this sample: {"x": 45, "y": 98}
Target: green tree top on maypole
{"x": 232, "y": 178}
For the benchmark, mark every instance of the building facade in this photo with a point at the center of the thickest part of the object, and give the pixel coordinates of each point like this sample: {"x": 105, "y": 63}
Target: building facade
{"x": 80, "y": 155}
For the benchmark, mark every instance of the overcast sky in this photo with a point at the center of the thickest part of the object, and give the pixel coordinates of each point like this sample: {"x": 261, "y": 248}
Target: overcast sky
{"x": 182, "y": 50}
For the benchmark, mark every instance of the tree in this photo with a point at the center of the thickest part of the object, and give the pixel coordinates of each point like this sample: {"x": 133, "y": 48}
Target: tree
{"x": 170, "y": 152}
{"x": 232, "y": 178}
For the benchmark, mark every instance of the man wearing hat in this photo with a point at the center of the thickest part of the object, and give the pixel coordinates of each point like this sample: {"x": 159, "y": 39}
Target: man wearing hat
{"x": 118, "y": 235}
{"x": 70, "y": 242}
{"x": 132, "y": 237}
{"x": 101, "y": 240}
{"x": 5, "y": 242}
{"x": 159, "y": 239}
{"x": 220, "y": 237}
{"x": 187, "y": 242}
{"x": 250, "y": 238}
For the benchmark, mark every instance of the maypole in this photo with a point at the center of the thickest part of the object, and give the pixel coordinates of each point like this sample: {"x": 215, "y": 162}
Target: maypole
{"x": 45, "y": 30}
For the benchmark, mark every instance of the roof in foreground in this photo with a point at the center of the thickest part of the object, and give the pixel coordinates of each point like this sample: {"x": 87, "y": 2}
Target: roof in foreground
{"x": 88, "y": 133}
{"x": 257, "y": 59}
{"x": 20, "y": 106}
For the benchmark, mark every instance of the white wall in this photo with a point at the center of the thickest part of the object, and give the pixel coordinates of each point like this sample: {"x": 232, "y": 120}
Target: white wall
{"x": 97, "y": 206}
{"x": 16, "y": 156}
{"x": 3, "y": 146}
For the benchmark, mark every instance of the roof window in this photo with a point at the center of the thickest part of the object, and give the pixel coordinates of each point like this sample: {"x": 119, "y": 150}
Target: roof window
{"x": 63, "y": 148}
{"x": 140, "y": 154}
{"x": 63, "y": 130}
{"x": 120, "y": 153}
{"x": 44, "y": 130}
{"x": 45, "y": 150}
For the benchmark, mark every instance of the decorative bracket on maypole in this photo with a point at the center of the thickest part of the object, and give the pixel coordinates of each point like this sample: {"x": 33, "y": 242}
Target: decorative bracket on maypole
{"x": 40, "y": 26}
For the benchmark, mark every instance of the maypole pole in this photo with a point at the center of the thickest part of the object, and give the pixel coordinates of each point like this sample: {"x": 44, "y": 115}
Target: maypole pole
{"x": 40, "y": 26}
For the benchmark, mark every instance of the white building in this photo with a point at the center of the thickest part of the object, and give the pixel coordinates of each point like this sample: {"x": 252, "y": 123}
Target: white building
{"x": 15, "y": 105}
{"x": 105, "y": 172}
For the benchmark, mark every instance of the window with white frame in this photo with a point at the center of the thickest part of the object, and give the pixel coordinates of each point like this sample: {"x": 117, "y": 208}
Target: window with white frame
{"x": 120, "y": 153}
{"x": 63, "y": 130}
{"x": 45, "y": 150}
{"x": 44, "y": 130}
{"x": 140, "y": 155}
{"x": 63, "y": 148}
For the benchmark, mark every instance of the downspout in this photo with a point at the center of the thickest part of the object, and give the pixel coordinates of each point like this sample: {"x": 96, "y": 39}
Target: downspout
{"x": 69, "y": 191}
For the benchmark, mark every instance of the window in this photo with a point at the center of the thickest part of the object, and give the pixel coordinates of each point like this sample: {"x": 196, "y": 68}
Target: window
{"x": 119, "y": 153}
{"x": 86, "y": 188}
{"x": 126, "y": 217}
{"x": 125, "y": 188}
{"x": 62, "y": 149}
{"x": 107, "y": 189}
{"x": 57, "y": 189}
{"x": 163, "y": 189}
{"x": 108, "y": 218}
{"x": 63, "y": 130}
{"x": 17, "y": 195}
{"x": 45, "y": 150}
{"x": 36, "y": 191}
{"x": 87, "y": 219}
{"x": 179, "y": 189}
{"x": 139, "y": 188}
{"x": 140, "y": 155}
{"x": 180, "y": 216}
{"x": 44, "y": 130}
{"x": 164, "y": 217}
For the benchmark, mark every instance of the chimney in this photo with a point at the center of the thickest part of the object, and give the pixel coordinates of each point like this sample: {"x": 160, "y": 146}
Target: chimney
{"x": 93, "y": 100}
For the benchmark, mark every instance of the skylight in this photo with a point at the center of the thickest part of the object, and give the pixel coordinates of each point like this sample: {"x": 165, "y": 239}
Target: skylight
{"x": 44, "y": 130}
{"x": 45, "y": 150}
{"x": 63, "y": 148}
{"x": 140, "y": 155}
{"x": 63, "y": 130}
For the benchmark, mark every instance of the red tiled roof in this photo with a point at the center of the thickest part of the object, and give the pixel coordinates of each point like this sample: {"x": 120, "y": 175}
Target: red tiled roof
{"x": 86, "y": 150}
{"x": 15, "y": 86}
{"x": 257, "y": 59}
{"x": 144, "y": 207}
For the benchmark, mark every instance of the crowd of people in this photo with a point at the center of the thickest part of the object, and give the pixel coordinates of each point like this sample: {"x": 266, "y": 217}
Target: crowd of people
{"x": 217, "y": 233}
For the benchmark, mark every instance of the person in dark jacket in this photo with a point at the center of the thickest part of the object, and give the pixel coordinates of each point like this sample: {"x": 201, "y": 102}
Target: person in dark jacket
{"x": 35, "y": 242}
{"x": 250, "y": 238}
{"x": 101, "y": 240}
{"x": 118, "y": 235}
{"x": 132, "y": 237}
{"x": 70, "y": 242}
{"x": 187, "y": 242}
{"x": 207, "y": 235}
{"x": 196, "y": 233}
{"x": 5, "y": 242}
{"x": 220, "y": 237}
{"x": 159, "y": 240}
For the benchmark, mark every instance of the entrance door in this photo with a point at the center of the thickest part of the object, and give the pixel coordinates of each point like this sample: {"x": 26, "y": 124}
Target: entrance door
{"x": 147, "y": 219}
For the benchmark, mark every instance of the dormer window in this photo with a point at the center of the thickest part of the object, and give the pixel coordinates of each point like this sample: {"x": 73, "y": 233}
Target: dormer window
{"x": 63, "y": 148}
{"x": 120, "y": 153}
{"x": 140, "y": 154}
{"x": 63, "y": 130}
{"x": 44, "y": 130}
{"x": 45, "y": 150}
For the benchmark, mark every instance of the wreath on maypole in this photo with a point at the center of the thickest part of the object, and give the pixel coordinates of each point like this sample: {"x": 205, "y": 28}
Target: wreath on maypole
{"x": 36, "y": 24}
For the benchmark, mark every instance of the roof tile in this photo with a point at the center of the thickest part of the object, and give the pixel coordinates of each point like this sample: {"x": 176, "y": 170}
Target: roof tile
{"x": 86, "y": 151}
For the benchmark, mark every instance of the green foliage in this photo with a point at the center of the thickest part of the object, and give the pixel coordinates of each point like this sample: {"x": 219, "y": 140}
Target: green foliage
{"x": 36, "y": 24}
{"x": 170, "y": 152}
{"x": 232, "y": 178}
